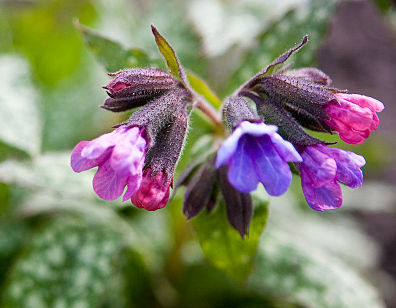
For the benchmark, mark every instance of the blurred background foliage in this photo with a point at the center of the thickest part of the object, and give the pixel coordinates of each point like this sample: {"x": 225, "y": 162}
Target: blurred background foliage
{"x": 61, "y": 246}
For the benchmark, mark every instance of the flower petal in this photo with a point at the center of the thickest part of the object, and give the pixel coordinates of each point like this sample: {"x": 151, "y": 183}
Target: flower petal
{"x": 348, "y": 167}
{"x": 241, "y": 172}
{"x": 321, "y": 167}
{"x": 98, "y": 146}
{"x": 363, "y": 101}
{"x": 228, "y": 148}
{"x": 285, "y": 149}
{"x": 107, "y": 184}
{"x": 272, "y": 171}
{"x": 133, "y": 184}
{"x": 79, "y": 163}
{"x": 325, "y": 197}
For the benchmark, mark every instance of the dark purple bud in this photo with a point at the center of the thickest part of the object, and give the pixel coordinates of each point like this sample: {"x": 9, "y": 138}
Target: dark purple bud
{"x": 200, "y": 191}
{"x": 236, "y": 109}
{"x": 238, "y": 205}
{"x": 288, "y": 127}
{"x": 155, "y": 116}
{"x": 168, "y": 144}
{"x": 310, "y": 74}
{"x": 135, "y": 87}
{"x": 305, "y": 100}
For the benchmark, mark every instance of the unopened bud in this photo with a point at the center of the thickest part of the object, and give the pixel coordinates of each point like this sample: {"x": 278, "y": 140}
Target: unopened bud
{"x": 236, "y": 109}
{"x": 135, "y": 87}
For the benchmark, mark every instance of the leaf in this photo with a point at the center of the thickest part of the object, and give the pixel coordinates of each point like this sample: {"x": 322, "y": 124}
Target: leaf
{"x": 20, "y": 119}
{"x": 112, "y": 54}
{"x": 223, "y": 246}
{"x": 288, "y": 265}
{"x": 312, "y": 19}
{"x": 170, "y": 56}
{"x": 69, "y": 263}
{"x": 201, "y": 87}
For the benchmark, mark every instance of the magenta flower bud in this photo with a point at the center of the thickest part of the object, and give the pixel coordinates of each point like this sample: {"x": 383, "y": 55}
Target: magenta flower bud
{"x": 135, "y": 87}
{"x": 353, "y": 116}
{"x": 120, "y": 158}
{"x": 321, "y": 170}
{"x": 256, "y": 153}
{"x": 153, "y": 193}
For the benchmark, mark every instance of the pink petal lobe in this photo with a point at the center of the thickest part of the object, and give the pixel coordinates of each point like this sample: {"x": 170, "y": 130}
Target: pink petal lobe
{"x": 107, "y": 184}
{"x": 79, "y": 163}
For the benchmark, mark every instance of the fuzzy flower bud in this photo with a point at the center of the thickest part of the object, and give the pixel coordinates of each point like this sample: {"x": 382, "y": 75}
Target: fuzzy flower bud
{"x": 135, "y": 87}
{"x": 161, "y": 161}
{"x": 235, "y": 110}
{"x": 153, "y": 193}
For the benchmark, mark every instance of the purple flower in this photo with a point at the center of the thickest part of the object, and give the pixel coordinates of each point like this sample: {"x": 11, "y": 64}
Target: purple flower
{"x": 321, "y": 170}
{"x": 120, "y": 158}
{"x": 255, "y": 153}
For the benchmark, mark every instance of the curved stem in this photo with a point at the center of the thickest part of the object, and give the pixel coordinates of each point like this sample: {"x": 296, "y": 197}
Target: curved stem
{"x": 210, "y": 112}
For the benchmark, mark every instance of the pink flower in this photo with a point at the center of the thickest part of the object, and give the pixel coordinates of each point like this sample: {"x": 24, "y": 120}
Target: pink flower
{"x": 120, "y": 157}
{"x": 153, "y": 193}
{"x": 353, "y": 116}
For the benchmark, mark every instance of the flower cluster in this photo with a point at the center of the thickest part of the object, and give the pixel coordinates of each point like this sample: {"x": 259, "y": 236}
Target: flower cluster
{"x": 140, "y": 154}
{"x": 267, "y": 118}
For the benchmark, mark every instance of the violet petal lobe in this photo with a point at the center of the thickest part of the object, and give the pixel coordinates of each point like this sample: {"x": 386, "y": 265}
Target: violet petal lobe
{"x": 320, "y": 166}
{"x": 79, "y": 163}
{"x": 272, "y": 171}
{"x": 348, "y": 167}
{"x": 325, "y": 197}
{"x": 241, "y": 172}
{"x": 285, "y": 149}
{"x": 107, "y": 183}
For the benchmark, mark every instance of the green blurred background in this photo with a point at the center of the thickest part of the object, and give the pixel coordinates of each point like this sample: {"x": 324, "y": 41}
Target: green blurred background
{"x": 61, "y": 246}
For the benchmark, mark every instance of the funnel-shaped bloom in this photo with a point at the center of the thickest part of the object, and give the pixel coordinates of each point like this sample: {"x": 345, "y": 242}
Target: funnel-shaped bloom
{"x": 120, "y": 158}
{"x": 153, "y": 193}
{"x": 321, "y": 170}
{"x": 354, "y": 116}
{"x": 255, "y": 153}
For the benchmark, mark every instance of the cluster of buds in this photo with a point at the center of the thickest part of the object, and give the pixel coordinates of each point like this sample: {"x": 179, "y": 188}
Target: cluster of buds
{"x": 267, "y": 118}
{"x": 140, "y": 154}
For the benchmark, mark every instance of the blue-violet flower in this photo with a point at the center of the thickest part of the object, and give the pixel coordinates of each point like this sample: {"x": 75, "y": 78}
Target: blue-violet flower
{"x": 255, "y": 153}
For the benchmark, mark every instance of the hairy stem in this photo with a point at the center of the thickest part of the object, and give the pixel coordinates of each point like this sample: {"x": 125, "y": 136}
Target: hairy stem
{"x": 211, "y": 113}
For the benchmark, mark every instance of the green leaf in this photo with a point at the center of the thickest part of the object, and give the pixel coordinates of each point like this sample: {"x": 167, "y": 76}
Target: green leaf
{"x": 170, "y": 56}
{"x": 223, "y": 246}
{"x": 312, "y": 19}
{"x": 20, "y": 119}
{"x": 309, "y": 275}
{"x": 69, "y": 263}
{"x": 43, "y": 31}
{"x": 112, "y": 54}
{"x": 201, "y": 87}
